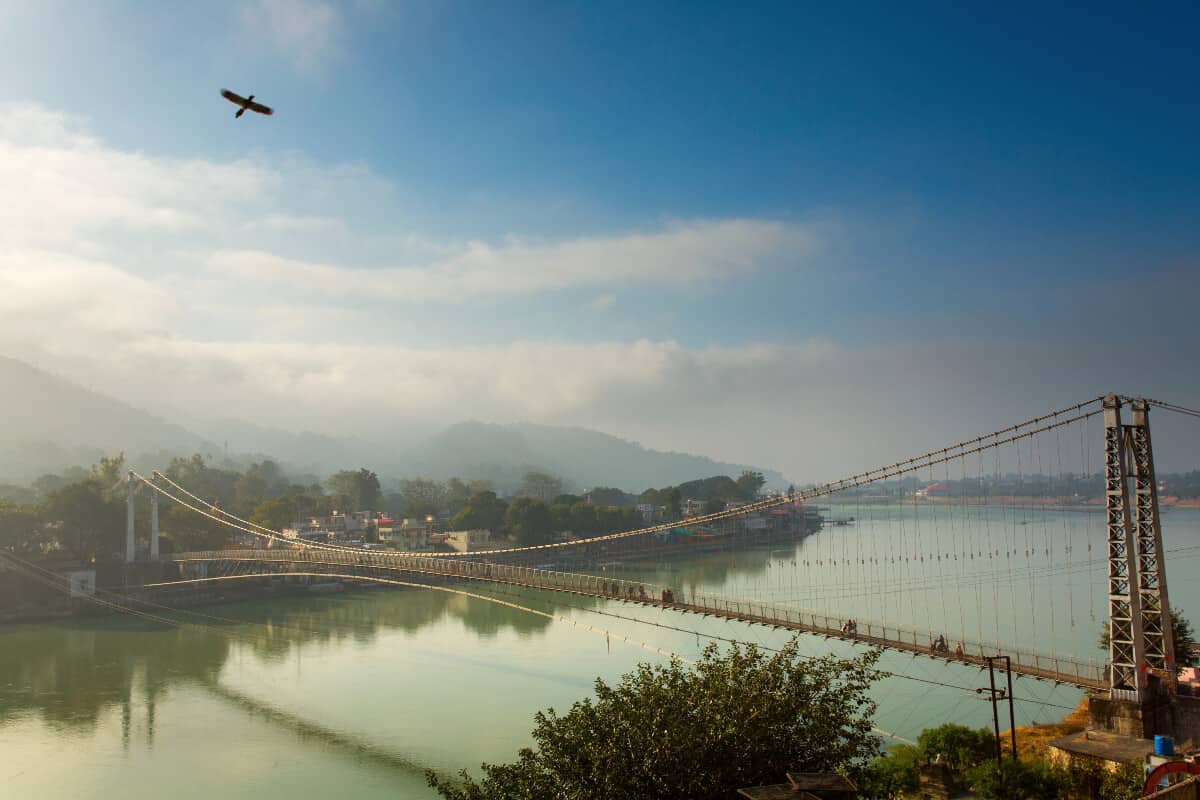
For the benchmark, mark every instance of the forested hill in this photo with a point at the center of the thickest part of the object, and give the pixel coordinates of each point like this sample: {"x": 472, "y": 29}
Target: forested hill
{"x": 48, "y": 423}
{"x": 582, "y": 457}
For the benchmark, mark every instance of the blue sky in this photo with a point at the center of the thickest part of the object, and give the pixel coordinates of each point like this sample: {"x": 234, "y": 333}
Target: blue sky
{"x": 667, "y": 186}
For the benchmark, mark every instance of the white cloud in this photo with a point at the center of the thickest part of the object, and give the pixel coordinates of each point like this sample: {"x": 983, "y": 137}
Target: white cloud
{"x": 693, "y": 251}
{"x": 187, "y": 284}
{"x": 307, "y": 31}
{"x": 602, "y": 302}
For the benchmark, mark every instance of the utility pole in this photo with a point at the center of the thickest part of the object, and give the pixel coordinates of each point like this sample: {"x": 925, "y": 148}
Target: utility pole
{"x": 994, "y": 695}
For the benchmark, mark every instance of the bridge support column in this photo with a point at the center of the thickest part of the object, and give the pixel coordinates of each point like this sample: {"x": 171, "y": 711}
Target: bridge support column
{"x": 1138, "y": 609}
{"x": 129, "y": 544}
{"x": 1159, "y": 641}
{"x": 154, "y": 525}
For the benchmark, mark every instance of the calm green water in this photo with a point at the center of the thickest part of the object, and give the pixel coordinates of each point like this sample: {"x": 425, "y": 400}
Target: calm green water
{"x": 358, "y": 694}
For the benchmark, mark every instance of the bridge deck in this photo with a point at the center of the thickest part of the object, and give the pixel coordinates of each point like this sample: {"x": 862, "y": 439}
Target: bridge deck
{"x": 1086, "y": 674}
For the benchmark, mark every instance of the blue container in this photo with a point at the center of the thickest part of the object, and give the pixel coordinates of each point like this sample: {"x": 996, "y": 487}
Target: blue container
{"x": 1164, "y": 746}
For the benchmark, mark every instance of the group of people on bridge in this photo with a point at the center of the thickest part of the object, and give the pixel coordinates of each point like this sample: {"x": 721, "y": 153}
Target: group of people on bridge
{"x": 939, "y": 646}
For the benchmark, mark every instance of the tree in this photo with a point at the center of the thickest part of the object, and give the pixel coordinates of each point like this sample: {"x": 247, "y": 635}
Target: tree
{"x": 608, "y": 520}
{"x": 671, "y": 498}
{"x": 484, "y": 510}
{"x": 261, "y": 481}
{"x": 528, "y": 520}
{"x": 421, "y": 497}
{"x": 274, "y": 514}
{"x": 456, "y": 495}
{"x": 892, "y": 775}
{"x": 1017, "y": 780}
{"x": 19, "y": 526}
{"x": 359, "y": 487}
{"x": 214, "y": 485}
{"x": 739, "y": 718}
{"x": 713, "y": 506}
{"x": 85, "y": 519}
{"x": 560, "y": 517}
{"x": 542, "y": 486}
{"x": 959, "y": 746}
{"x": 749, "y": 483}
{"x": 110, "y": 471}
{"x": 608, "y": 496}
{"x": 583, "y": 519}
{"x": 1124, "y": 783}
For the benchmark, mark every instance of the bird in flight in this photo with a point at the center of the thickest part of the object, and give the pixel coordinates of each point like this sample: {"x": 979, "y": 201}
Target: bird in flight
{"x": 245, "y": 103}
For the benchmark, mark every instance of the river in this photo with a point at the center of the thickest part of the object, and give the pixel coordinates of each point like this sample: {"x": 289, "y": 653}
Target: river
{"x": 359, "y": 693}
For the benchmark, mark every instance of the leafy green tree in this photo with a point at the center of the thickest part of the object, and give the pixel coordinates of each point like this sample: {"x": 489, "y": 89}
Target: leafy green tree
{"x": 749, "y": 483}
{"x": 20, "y": 526}
{"x": 46, "y": 484}
{"x": 1181, "y": 628}
{"x": 484, "y": 510}
{"x": 528, "y": 520}
{"x": 713, "y": 506}
{"x": 360, "y": 488}
{"x": 608, "y": 520}
{"x": 187, "y": 530}
{"x": 583, "y": 519}
{"x": 541, "y": 485}
{"x": 739, "y": 718}
{"x": 264, "y": 480}
{"x": 959, "y": 746}
{"x": 110, "y": 471}
{"x": 892, "y": 775}
{"x": 86, "y": 520}
{"x": 608, "y": 496}
{"x": 274, "y": 514}
{"x": 560, "y": 517}
{"x": 1124, "y": 783}
{"x": 671, "y": 500}
{"x": 631, "y": 518}
{"x": 718, "y": 487}
{"x": 456, "y": 495}
{"x": 1018, "y": 780}
{"x": 216, "y": 486}
{"x": 567, "y": 500}
{"x": 421, "y": 497}
{"x": 1183, "y": 635}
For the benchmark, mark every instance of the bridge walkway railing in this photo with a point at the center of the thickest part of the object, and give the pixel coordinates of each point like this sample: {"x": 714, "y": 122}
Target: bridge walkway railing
{"x": 1084, "y": 673}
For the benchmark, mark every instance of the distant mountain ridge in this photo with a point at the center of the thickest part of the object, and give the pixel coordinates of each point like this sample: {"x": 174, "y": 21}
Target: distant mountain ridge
{"x": 583, "y": 457}
{"x": 48, "y": 423}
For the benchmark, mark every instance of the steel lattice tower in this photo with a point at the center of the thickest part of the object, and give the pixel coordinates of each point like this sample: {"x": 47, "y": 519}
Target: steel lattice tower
{"x": 1138, "y": 607}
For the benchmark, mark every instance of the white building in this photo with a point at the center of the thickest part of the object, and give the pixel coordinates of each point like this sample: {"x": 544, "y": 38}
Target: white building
{"x": 468, "y": 541}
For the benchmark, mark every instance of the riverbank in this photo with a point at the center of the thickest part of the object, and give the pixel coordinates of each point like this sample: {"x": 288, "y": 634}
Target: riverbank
{"x": 1032, "y": 740}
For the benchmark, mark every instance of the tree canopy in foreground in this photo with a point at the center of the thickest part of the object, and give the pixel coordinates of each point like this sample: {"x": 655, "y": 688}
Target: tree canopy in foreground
{"x": 740, "y": 717}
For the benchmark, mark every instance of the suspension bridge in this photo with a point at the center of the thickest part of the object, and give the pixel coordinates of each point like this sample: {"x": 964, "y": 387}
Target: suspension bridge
{"x": 997, "y": 530}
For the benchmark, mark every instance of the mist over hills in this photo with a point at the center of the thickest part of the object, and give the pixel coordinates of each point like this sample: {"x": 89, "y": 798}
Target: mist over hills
{"x": 48, "y": 423}
{"x": 584, "y": 458}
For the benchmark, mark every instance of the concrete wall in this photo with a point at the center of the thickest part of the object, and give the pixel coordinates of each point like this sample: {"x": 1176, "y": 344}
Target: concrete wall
{"x": 1175, "y": 716}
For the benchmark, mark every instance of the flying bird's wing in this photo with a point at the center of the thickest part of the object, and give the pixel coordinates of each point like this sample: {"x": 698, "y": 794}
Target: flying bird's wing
{"x": 233, "y": 98}
{"x": 260, "y": 108}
